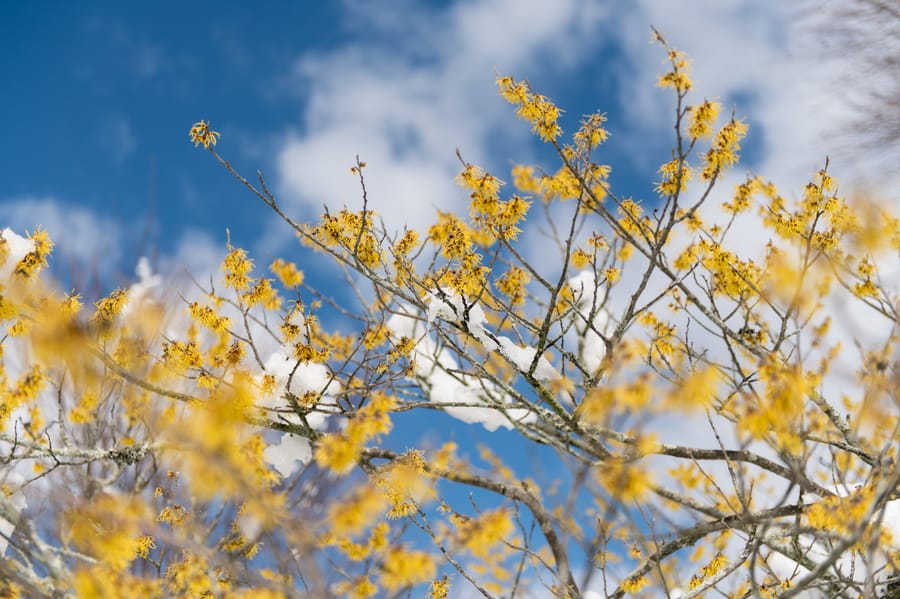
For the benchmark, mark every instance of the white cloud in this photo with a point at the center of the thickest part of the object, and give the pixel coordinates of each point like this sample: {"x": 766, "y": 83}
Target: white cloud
{"x": 289, "y": 454}
{"x": 405, "y": 110}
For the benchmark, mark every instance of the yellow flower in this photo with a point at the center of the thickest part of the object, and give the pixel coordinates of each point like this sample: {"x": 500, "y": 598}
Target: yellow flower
{"x": 675, "y": 177}
{"x": 724, "y": 150}
{"x": 634, "y": 585}
{"x": 208, "y": 317}
{"x": 624, "y": 481}
{"x": 337, "y": 452}
{"x": 402, "y": 568}
{"x": 37, "y": 258}
{"x": 512, "y": 284}
{"x": 287, "y": 272}
{"x": 201, "y": 134}
{"x": 439, "y": 589}
{"x": 237, "y": 269}
{"x": 534, "y": 108}
{"x": 357, "y": 512}
{"x": 481, "y": 535}
{"x": 612, "y": 275}
{"x": 109, "y": 307}
{"x": 701, "y": 119}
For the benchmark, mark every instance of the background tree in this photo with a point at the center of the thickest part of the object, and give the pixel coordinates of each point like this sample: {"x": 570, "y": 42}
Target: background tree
{"x": 860, "y": 39}
{"x": 707, "y": 424}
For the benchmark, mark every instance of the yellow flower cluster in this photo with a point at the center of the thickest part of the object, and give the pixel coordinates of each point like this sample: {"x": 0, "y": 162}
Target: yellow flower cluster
{"x": 481, "y": 535}
{"x": 108, "y": 308}
{"x": 109, "y": 529}
{"x": 491, "y": 215}
{"x": 86, "y": 409}
{"x": 675, "y": 176}
{"x": 778, "y": 410}
{"x": 287, "y": 272}
{"x": 452, "y": 235}
{"x": 173, "y": 515}
{"x": 404, "y": 269}
{"x": 842, "y": 515}
{"x": 663, "y": 337}
{"x": 632, "y": 219}
{"x": 405, "y": 244}
{"x": 405, "y": 484}
{"x": 340, "y": 451}
{"x": 743, "y": 193}
{"x": 181, "y": 356}
{"x": 237, "y": 267}
{"x": 36, "y": 259}
{"x": 468, "y": 279}
{"x": 378, "y": 541}
{"x": 623, "y": 480}
{"x": 360, "y": 587}
{"x": 351, "y": 231}
{"x": 531, "y": 107}
{"x": 24, "y": 390}
{"x": 402, "y": 568}
{"x": 635, "y": 584}
{"x": 701, "y": 119}
{"x": 440, "y": 589}
{"x": 262, "y": 293}
{"x": 512, "y": 284}
{"x": 70, "y": 306}
{"x": 873, "y": 229}
{"x": 193, "y": 576}
{"x": 591, "y": 133}
{"x": 208, "y": 317}
{"x": 8, "y": 309}
{"x": 724, "y": 150}
{"x": 524, "y": 179}
{"x": 678, "y": 78}
{"x": 697, "y": 390}
{"x": 822, "y": 219}
{"x": 732, "y": 277}
{"x": 305, "y": 352}
{"x": 605, "y": 402}
{"x": 563, "y": 185}
{"x": 589, "y": 184}
{"x": 715, "y": 565}
{"x": 355, "y": 513}
{"x": 401, "y": 349}
{"x": 612, "y": 275}
{"x": 290, "y": 326}
{"x": 200, "y": 133}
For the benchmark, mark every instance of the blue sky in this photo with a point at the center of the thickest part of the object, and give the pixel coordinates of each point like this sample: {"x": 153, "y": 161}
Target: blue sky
{"x": 99, "y": 98}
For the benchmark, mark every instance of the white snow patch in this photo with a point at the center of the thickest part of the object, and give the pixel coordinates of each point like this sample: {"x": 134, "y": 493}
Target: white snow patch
{"x": 590, "y": 318}
{"x": 17, "y": 247}
{"x": 522, "y": 357}
{"x": 289, "y": 454}
{"x": 438, "y": 369}
{"x": 299, "y": 379}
